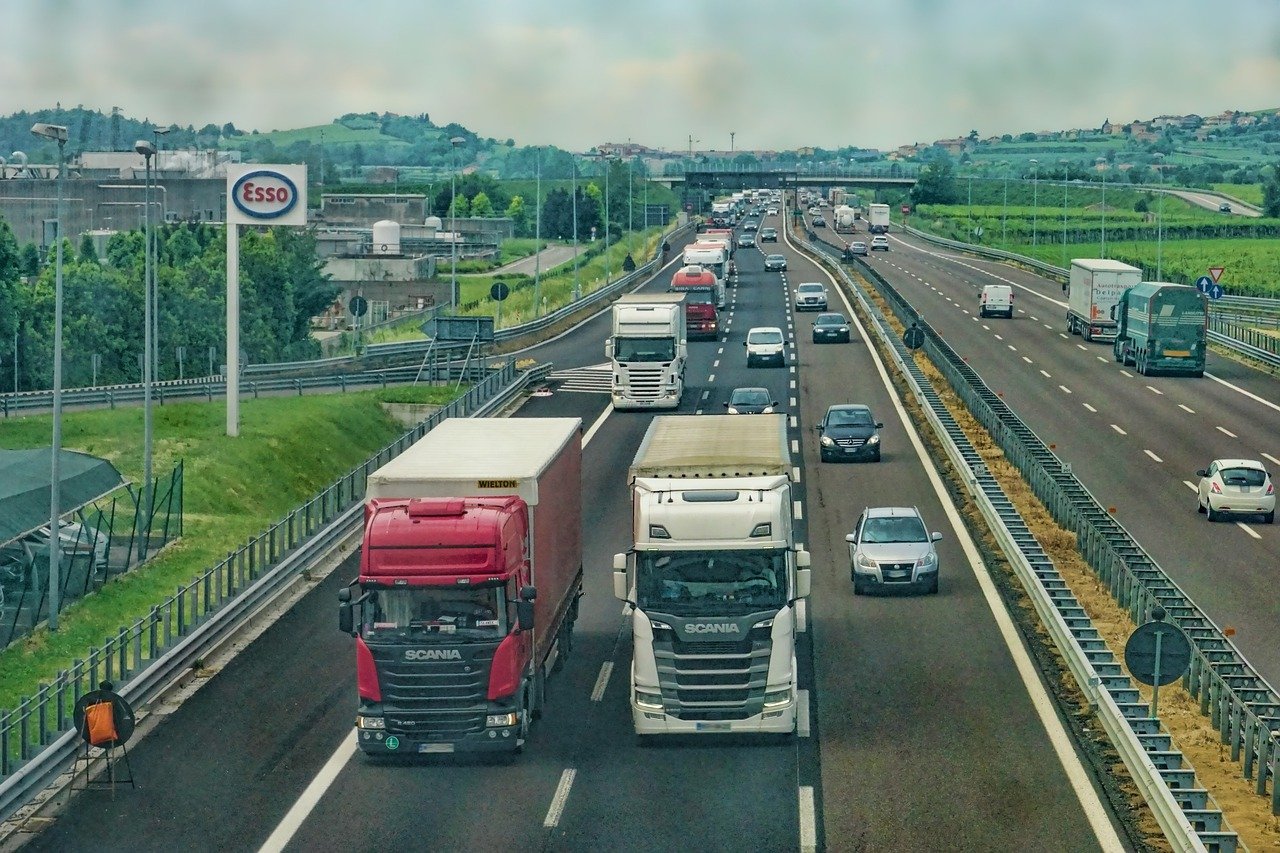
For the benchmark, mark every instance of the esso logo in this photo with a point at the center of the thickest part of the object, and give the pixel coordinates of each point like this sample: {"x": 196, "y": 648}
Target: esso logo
{"x": 264, "y": 194}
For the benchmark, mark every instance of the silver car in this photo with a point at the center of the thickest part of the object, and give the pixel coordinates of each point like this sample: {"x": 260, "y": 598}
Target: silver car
{"x": 891, "y": 548}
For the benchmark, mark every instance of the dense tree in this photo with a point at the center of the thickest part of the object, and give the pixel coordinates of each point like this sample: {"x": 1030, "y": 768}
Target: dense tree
{"x": 460, "y": 208}
{"x": 937, "y": 183}
{"x": 88, "y": 252}
{"x": 481, "y": 206}
{"x": 29, "y": 259}
{"x": 1271, "y": 194}
{"x": 519, "y": 216}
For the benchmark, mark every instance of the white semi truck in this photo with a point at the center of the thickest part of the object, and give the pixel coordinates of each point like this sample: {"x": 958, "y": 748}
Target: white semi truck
{"x": 878, "y": 218}
{"x": 716, "y": 582}
{"x": 648, "y": 349}
{"x": 845, "y": 219}
{"x": 1094, "y": 288}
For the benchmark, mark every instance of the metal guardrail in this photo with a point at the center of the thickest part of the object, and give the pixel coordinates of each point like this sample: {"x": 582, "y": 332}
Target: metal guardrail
{"x": 1243, "y": 707}
{"x": 1264, "y": 348}
{"x": 37, "y": 742}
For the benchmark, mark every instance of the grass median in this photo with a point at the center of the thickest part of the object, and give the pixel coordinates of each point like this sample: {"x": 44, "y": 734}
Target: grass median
{"x": 289, "y": 449}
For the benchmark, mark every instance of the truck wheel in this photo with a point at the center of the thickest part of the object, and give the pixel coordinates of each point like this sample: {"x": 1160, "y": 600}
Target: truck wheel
{"x": 1086, "y": 333}
{"x": 1140, "y": 361}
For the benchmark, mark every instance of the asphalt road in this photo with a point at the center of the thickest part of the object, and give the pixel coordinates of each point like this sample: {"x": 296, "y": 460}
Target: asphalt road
{"x": 928, "y": 730}
{"x": 1211, "y": 201}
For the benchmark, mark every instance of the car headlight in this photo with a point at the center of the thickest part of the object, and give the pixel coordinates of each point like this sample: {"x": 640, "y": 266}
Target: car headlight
{"x": 509, "y": 719}
{"x": 732, "y": 410}
{"x": 777, "y": 698}
{"x": 649, "y": 700}
{"x": 366, "y": 722}
{"x": 875, "y": 439}
{"x": 768, "y": 410}
{"x": 826, "y": 441}
{"x": 927, "y": 561}
{"x": 843, "y": 329}
{"x": 865, "y": 562}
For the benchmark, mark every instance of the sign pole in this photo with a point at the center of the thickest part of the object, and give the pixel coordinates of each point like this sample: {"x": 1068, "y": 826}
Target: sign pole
{"x": 1155, "y": 688}
{"x": 233, "y": 329}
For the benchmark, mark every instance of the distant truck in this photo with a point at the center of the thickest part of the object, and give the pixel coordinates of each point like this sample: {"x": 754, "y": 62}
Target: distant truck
{"x": 717, "y": 577}
{"x": 470, "y": 574}
{"x": 878, "y": 218}
{"x": 648, "y": 349}
{"x": 1095, "y": 286}
{"x": 836, "y": 196}
{"x": 846, "y": 220}
{"x": 1162, "y": 327}
{"x": 700, "y": 288}
{"x": 712, "y": 255}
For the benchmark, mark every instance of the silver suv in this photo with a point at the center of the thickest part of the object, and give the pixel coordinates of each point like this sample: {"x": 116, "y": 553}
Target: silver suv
{"x": 811, "y": 296}
{"x": 891, "y": 548}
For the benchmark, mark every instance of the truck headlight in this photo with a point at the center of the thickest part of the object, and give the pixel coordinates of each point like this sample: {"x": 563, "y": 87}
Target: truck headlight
{"x": 777, "y": 698}
{"x": 649, "y": 700}
{"x": 367, "y": 722}
{"x": 509, "y": 719}
{"x": 826, "y": 441}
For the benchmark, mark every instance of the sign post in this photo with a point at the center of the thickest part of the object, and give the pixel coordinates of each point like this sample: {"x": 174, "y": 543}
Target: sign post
{"x": 256, "y": 195}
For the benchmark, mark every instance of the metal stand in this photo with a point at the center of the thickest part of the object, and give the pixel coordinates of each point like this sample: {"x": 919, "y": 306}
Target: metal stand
{"x": 99, "y": 783}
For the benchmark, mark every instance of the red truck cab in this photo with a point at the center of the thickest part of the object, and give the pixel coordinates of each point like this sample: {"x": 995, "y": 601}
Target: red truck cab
{"x": 699, "y": 285}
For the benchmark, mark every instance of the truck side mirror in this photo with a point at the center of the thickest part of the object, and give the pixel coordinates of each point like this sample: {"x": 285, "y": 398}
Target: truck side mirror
{"x": 346, "y": 622}
{"x": 803, "y": 560}
{"x": 528, "y": 593}
{"x": 804, "y": 582}
{"x": 620, "y": 577}
{"x": 524, "y": 615}
{"x": 608, "y": 349}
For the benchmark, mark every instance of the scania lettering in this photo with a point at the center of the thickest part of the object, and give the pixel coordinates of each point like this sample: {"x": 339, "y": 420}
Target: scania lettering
{"x": 470, "y": 573}
{"x": 714, "y": 579}
{"x": 648, "y": 350}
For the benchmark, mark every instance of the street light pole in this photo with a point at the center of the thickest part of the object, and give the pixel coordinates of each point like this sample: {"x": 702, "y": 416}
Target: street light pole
{"x": 1035, "y": 174}
{"x": 1004, "y": 215}
{"x": 537, "y": 242}
{"x": 631, "y": 215}
{"x": 1101, "y": 161}
{"x": 453, "y": 223}
{"x": 607, "y": 163}
{"x": 1159, "y": 215}
{"x": 156, "y": 134}
{"x": 577, "y": 286}
{"x": 147, "y": 150}
{"x": 1065, "y": 166}
{"x": 57, "y": 133}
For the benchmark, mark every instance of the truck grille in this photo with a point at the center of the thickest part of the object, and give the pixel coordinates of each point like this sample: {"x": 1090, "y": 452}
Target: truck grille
{"x": 715, "y": 680}
{"x": 434, "y": 700}
{"x": 646, "y": 383}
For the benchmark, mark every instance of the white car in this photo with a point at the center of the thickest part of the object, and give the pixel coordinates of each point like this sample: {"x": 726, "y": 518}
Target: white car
{"x": 765, "y": 344}
{"x": 811, "y": 296}
{"x": 880, "y": 243}
{"x": 1236, "y": 487}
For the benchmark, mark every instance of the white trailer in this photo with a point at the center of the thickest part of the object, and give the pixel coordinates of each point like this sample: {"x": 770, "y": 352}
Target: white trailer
{"x": 845, "y": 219}
{"x": 717, "y": 580}
{"x": 1093, "y": 289}
{"x": 878, "y": 218}
{"x": 648, "y": 349}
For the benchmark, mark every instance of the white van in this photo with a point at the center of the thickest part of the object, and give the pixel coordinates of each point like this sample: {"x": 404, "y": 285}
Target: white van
{"x": 996, "y": 299}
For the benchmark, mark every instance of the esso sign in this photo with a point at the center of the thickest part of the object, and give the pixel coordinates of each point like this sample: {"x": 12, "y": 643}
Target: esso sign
{"x": 264, "y": 194}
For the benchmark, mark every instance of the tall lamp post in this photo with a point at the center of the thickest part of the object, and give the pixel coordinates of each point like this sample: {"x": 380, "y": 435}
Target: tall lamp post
{"x": 1035, "y": 174}
{"x": 1159, "y": 213}
{"x": 58, "y": 133}
{"x": 148, "y": 151}
{"x": 1065, "y": 166}
{"x": 1102, "y": 161}
{"x": 537, "y": 242}
{"x": 577, "y": 286}
{"x": 453, "y": 222}
{"x": 608, "y": 161}
{"x": 156, "y": 134}
{"x": 1004, "y": 215}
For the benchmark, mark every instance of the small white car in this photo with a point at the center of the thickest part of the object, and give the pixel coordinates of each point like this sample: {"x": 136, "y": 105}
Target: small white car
{"x": 1236, "y": 487}
{"x": 880, "y": 243}
{"x": 765, "y": 345}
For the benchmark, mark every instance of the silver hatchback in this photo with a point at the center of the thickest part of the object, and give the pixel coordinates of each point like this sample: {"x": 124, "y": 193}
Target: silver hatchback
{"x": 891, "y": 548}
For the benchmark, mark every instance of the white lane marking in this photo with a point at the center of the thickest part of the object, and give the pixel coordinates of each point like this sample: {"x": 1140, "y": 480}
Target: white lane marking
{"x": 795, "y": 474}
{"x": 791, "y": 369}
{"x": 1268, "y": 455}
{"x": 1012, "y": 347}
{"x": 808, "y": 825}
{"x": 1246, "y": 528}
{"x": 706, "y": 394}
{"x": 1124, "y": 372}
{"x": 804, "y": 727}
{"x": 293, "y": 819}
{"x": 795, "y": 448}
{"x": 1027, "y": 360}
{"x": 1045, "y": 374}
{"x": 797, "y": 509}
{"x": 595, "y": 427}
{"x": 602, "y": 681}
{"x": 1248, "y": 394}
{"x": 1082, "y": 347}
{"x": 697, "y": 411}
{"x": 557, "y": 802}
{"x": 1090, "y": 408}
{"x": 1117, "y": 429}
{"x": 1228, "y": 433}
{"x": 1065, "y": 389}
{"x": 793, "y": 385}
{"x": 1187, "y": 409}
{"x": 794, "y": 423}
{"x": 998, "y": 338}
{"x": 1192, "y": 486}
{"x": 793, "y": 404}
{"x": 1155, "y": 390}
{"x": 1152, "y": 455}
{"x": 715, "y": 363}
{"x": 1101, "y": 359}
{"x": 720, "y": 351}
{"x": 711, "y": 378}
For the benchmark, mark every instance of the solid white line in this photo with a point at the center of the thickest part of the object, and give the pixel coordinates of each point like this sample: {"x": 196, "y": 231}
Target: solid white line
{"x": 1152, "y": 455}
{"x": 1228, "y": 433}
{"x": 808, "y": 825}
{"x": 1090, "y": 408}
{"x": 1117, "y": 429}
{"x": 602, "y": 681}
{"x": 293, "y": 819}
{"x": 558, "y": 801}
{"x": 1240, "y": 390}
{"x": 595, "y": 427}
{"x": 803, "y": 726}
{"x": 1187, "y": 409}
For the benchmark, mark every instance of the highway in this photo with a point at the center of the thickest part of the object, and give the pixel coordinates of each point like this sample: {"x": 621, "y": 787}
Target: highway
{"x": 929, "y": 725}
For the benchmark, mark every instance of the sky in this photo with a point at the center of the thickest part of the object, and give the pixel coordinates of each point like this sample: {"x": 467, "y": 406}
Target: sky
{"x": 574, "y": 73}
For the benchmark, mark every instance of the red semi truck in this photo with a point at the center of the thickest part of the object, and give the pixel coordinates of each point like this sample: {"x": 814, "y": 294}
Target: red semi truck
{"x": 470, "y": 574}
{"x": 700, "y": 287}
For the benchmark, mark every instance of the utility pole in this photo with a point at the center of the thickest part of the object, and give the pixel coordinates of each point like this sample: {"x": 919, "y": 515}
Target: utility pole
{"x": 732, "y": 134}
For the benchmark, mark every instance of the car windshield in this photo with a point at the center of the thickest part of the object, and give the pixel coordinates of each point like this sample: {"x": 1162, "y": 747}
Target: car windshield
{"x": 849, "y": 417}
{"x": 467, "y": 612}
{"x": 1242, "y": 477}
{"x": 750, "y": 397}
{"x": 644, "y": 349}
{"x": 721, "y": 582}
{"x": 830, "y": 320}
{"x": 770, "y": 337}
{"x": 811, "y": 288}
{"x": 776, "y": 259}
{"x": 882, "y": 531}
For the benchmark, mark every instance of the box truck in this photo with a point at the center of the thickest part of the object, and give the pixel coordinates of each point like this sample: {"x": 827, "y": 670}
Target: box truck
{"x": 1093, "y": 289}
{"x": 1162, "y": 327}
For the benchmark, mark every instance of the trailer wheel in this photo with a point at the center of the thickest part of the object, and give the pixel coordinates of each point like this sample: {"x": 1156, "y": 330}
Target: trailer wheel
{"x": 1086, "y": 332}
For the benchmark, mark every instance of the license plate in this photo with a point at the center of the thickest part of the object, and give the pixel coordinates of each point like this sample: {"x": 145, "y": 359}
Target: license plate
{"x": 712, "y": 727}
{"x": 1177, "y": 353}
{"x": 435, "y": 747}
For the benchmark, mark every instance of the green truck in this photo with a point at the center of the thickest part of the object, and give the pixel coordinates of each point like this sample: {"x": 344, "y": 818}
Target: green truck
{"x": 1160, "y": 327}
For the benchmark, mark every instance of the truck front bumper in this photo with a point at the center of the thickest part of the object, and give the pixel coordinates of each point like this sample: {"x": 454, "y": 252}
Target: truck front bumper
{"x": 670, "y": 400}
{"x": 375, "y": 741}
{"x": 776, "y": 720}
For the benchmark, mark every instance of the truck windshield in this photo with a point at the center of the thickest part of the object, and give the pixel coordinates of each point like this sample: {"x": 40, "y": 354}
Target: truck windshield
{"x": 644, "y": 349}
{"x": 685, "y": 583}
{"x": 462, "y": 612}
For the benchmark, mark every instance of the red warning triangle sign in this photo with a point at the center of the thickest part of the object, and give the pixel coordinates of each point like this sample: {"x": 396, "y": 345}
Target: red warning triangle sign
{"x": 1216, "y": 273}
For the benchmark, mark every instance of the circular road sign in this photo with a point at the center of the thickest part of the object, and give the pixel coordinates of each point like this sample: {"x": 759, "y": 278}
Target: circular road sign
{"x": 1215, "y": 291}
{"x": 122, "y": 715}
{"x": 1203, "y": 283}
{"x": 499, "y": 291}
{"x": 913, "y": 338}
{"x": 264, "y": 194}
{"x": 1140, "y": 653}
{"x": 358, "y": 306}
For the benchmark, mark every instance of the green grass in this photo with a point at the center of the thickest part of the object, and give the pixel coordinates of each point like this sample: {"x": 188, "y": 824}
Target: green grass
{"x": 334, "y": 134}
{"x": 1251, "y": 193}
{"x": 289, "y": 449}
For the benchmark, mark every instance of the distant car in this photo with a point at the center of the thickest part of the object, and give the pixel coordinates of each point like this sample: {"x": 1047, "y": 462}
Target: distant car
{"x": 819, "y": 222}
{"x": 773, "y": 211}
{"x": 751, "y": 401}
{"x": 1236, "y": 487}
{"x": 765, "y": 344}
{"x": 849, "y": 431}
{"x": 891, "y": 547}
{"x": 880, "y": 242}
{"x": 750, "y": 226}
{"x": 1224, "y": 208}
{"x": 858, "y": 247}
{"x": 830, "y": 327}
{"x": 775, "y": 262}
{"x": 995, "y": 299}
{"x": 811, "y": 296}
{"x": 746, "y": 241}
{"x": 768, "y": 235}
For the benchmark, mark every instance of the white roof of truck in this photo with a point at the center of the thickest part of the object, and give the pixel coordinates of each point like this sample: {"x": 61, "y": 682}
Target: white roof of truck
{"x": 650, "y": 298}
{"x": 713, "y": 446}
{"x": 468, "y": 457}
{"x": 1103, "y": 265}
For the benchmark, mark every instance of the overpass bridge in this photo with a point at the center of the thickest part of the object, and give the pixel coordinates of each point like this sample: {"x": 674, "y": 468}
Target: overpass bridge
{"x": 870, "y": 177}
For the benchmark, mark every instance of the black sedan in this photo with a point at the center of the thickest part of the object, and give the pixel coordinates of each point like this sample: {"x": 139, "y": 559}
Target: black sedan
{"x": 849, "y": 431}
{"x": 775, "y": 262}
{"x": 751, "y": 401}
{"x": 831, "y": 328}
